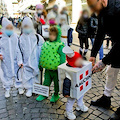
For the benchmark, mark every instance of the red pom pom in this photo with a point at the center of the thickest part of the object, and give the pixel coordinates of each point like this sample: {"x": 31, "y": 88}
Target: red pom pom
{"x": 42, "y": 21}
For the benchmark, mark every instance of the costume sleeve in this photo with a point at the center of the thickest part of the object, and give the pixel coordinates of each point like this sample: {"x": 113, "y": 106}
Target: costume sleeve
{"x": 62, "y": 55}
{"x": 19, "y": 54}
{"x": 66, "y": 87}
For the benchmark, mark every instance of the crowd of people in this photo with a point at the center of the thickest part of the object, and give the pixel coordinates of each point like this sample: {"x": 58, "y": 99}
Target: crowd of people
{"x": 37, "y": 48}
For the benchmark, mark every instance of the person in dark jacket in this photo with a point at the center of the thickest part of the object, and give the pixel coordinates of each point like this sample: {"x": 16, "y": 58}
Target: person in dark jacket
{"x": 82, "y": 29}
{"x": 108, "y": 23}
{"x": 93, "y": 31}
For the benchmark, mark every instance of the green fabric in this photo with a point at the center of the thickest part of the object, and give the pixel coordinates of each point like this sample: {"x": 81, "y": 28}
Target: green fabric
{"x": 51, "y": 76}
{"x": 41, "y": 98}
{"x": 51, "y": 53}
{"x": 54, "y": 98}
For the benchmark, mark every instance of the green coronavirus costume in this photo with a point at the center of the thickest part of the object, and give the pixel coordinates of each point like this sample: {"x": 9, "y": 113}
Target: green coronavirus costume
{"x": 51, "y": 57}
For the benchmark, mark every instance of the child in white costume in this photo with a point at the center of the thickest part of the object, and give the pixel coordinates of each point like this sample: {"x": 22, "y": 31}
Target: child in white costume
{"x": 10, "y": 56}
{"x": 30, "y": 45}
{"x": 74, "y": 60}
{"x": 64, "y": 28}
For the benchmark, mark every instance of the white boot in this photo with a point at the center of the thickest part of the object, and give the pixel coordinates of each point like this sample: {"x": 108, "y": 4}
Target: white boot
{"x": 21, "y": 91}
{"x": 83, "y": 108}
{"x": 70, "y": 115}
{"x": 29, "y": 93}
{"x": 7, "y": 93}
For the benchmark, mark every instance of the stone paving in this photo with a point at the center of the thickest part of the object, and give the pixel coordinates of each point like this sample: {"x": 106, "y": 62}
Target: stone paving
{"x": 19, "y": 107}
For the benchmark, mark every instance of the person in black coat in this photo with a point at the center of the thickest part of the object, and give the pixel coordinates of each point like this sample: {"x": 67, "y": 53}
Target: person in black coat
{"x": 108, "y": 23}
{"x": 82, "y": 29}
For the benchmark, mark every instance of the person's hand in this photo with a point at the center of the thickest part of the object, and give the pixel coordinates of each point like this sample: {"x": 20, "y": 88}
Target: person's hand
{"x": 99, "y": 66}
{"x": 92, "y": 59}
{"x": 38, "y": 19}
{"x": 67, "y": 96}
{"x": 21, "y": 65}
{"x": 1, "y": 57}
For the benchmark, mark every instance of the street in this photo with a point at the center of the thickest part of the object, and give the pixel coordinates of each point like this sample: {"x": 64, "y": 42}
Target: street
{"x": 19, "y": 107}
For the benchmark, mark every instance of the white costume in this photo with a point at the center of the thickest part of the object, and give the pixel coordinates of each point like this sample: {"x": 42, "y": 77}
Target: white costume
{"x": 10, "y": 51}
{"x": 31, "y": 53}
{"x": 64, "y": 28}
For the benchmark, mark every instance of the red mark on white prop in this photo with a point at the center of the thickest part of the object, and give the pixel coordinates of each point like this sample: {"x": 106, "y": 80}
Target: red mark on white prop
{"x": 81, "y": 76}
{"x": 87, "y": 83}
{"x": 87, "y": 72}
{"x": 81, "y": 87}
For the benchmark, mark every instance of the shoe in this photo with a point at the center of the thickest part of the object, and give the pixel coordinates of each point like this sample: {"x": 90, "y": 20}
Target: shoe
{"x": 70, "y": 115}
{"x": 21, "y": 91}
{"x": 40, "y": 98}
{"x": 7, "y": 93}
{"x": 29, "y": 93}
{"x": 109, "y": 48}
{"x": 83, "y": 108}
{"x": 116, "y": 115}
{"x": 106, "y": 47}
{"x": 54, "y": 98}
{"x": 104, "y": 102}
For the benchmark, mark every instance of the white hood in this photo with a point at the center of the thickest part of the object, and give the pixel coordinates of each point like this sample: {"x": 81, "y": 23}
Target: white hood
{"x": 27, "y": 21}
{"x": 6, "y": 22}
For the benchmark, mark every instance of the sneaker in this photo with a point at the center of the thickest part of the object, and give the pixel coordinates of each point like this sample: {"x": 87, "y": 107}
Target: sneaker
{"x": 21, "y": 91}
{"x": 106, "y": 47}
{"x": 29, "y": 93}
{"x": 54, "y": 98}
{"x": 116, "y": 115}
{"x": 40, "y": 98}
{"x": 7, "y": 93}
{"x": 104, "y": 102}
{"x": 70, "y": 115}
{"x": 83, "y": 108}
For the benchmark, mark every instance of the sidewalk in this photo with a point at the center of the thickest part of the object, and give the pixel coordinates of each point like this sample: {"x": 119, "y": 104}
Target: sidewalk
{"x": 19, "y": 107}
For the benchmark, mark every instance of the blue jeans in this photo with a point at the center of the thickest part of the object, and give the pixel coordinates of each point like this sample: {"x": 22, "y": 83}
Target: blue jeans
{"x": 100, "y": 51}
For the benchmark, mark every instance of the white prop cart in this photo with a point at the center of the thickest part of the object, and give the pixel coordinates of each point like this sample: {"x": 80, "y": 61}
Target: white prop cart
{"x": 81, "y": 80}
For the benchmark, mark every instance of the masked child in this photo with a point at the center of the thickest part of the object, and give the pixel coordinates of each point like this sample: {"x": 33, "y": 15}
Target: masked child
{"x": 30, "y": 45}
{"x": 51, "y": 57}
{"x": 74, "y": 60}
{"x": 82, "y": 29}
{"x": 10, "y": 56}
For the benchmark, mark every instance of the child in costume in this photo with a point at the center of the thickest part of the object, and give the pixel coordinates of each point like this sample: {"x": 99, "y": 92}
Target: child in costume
{"x": 74, "y": 59}
{"x": 11, "y": 58}
{"x": 30, "y": 45}
{"x": 51, "y": 57}
{"x": 66, "y": 36}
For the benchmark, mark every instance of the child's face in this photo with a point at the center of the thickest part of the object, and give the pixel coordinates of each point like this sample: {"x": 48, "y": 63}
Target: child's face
{"x": 9, "y": 27}
{"x": 52, "y": 36}
{"x": 78, "y": 62}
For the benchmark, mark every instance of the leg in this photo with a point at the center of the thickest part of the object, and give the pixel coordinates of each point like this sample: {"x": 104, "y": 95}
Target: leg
{"x": 47, "y": 82}
{"x": 81, "y": 46}
{"x": 111, "y": 81}
{"x": 69, "y": 109}
{"x": 81, "y": 106}
{"x": 55, "y": 96}
{"x": 101, "y": 53}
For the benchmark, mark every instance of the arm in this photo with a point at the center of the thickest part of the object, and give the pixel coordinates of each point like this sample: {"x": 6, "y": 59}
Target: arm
{"x": 99, "y": 39}
{"x": 62, "y": 55}
{"x": 78, "y": 30}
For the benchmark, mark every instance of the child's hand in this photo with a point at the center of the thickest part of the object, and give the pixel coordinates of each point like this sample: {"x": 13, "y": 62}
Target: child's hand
{"x": 1, "y": 57}
{"x": 21, "y": 65}
{"x": 67, "y": 96}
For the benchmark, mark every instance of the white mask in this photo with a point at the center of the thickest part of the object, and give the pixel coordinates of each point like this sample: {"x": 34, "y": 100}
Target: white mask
{"x": 39, "y": 11}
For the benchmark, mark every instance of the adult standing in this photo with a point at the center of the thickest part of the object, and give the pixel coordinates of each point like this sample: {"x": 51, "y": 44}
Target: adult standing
{"x": 39, "y": 18}
{"x": 93, "y": 31}
{"x": 108, "y": 22}
{"x": 54, "y": 12}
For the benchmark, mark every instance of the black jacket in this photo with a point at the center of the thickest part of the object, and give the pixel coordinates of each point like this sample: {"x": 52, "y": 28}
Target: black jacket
{"x": 109, "y": 23}
{"x": 93, "y": 26}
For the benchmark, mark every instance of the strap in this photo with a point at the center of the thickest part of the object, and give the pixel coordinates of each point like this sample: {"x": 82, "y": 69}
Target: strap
{"x": 37, "y": 38}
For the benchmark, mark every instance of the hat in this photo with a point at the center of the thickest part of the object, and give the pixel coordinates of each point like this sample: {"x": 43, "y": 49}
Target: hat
{"x": 71, "y": 55}
{"x": 39, "y": 6}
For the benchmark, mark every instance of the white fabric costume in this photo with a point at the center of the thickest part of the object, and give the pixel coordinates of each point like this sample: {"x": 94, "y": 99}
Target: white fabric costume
{"x": 64, "y": 28}
{"x": 10, "y": 51}
{"x": 31, "y": 53}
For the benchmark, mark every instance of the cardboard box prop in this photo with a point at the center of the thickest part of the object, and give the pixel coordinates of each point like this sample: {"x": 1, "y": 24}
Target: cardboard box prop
{"x": 45, "y": 31}
{"x": 81, "y": 80}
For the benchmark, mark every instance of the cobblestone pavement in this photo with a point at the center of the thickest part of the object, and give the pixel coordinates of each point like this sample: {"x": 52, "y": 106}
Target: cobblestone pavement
{"x": 19, "y": 107}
